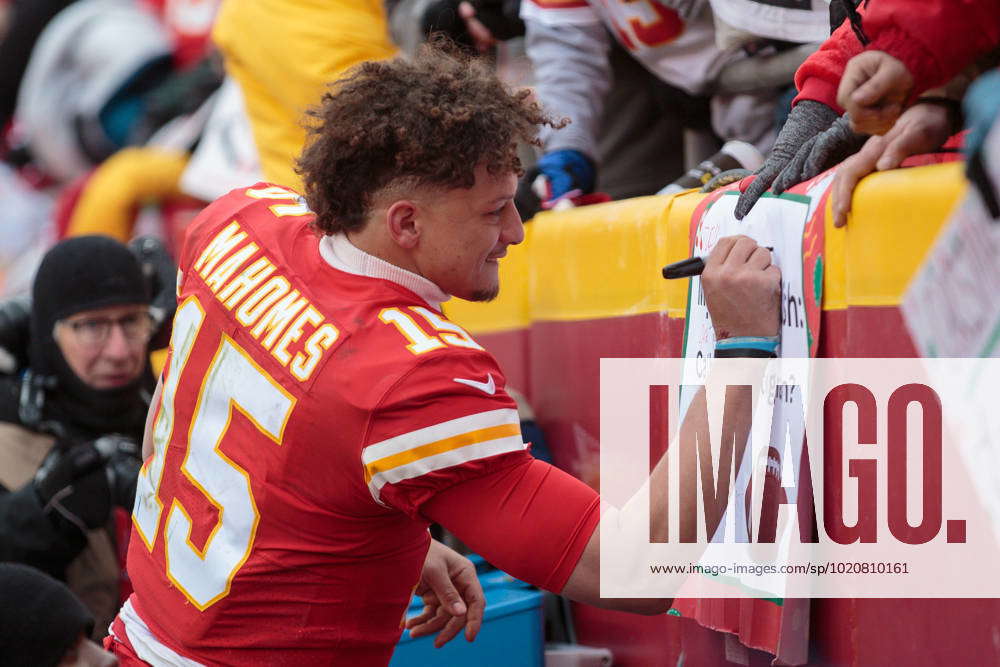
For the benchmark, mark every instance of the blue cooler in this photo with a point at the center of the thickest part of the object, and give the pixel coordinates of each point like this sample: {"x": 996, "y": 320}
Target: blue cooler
{"x": 511, "y": 633}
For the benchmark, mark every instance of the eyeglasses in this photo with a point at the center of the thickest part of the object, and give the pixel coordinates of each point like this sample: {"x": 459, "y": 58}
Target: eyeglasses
{"x": 95, "y": 331}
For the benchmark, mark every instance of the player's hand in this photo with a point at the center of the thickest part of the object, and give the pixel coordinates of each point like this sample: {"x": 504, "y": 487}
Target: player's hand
{"x": 923, "y": 128}
{"x": 873, "y": 90}
{"x": 453, "y": 598}
{"x": 742, "y": 288}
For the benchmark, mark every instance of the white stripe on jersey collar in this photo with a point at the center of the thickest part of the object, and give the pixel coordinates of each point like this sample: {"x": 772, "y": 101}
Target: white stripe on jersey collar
{"x": 341, "y": 254}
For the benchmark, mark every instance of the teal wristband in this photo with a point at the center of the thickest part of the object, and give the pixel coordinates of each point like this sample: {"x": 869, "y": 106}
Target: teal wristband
{"x": 767, "y": 344}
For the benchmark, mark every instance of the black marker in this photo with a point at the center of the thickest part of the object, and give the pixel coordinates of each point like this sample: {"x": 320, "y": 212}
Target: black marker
{"x": 687, "y": 268}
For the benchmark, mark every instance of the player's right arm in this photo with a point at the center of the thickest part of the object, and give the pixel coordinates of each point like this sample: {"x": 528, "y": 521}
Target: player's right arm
{"x": 742, "y": 290}
{"x": 541, "y": 525}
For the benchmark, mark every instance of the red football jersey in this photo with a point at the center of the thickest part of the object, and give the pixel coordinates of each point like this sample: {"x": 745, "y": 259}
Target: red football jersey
{"x": 309, "y": 409}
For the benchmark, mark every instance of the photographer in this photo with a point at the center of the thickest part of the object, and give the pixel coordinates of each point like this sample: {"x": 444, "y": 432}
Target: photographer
{"x": 70, "y": 421}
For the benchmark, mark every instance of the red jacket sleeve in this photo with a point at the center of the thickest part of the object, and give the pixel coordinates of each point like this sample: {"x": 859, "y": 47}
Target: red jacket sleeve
{"x": 818, "y": 77}
{"x": 531, "y": 520}
{"x": 935, "y": 39}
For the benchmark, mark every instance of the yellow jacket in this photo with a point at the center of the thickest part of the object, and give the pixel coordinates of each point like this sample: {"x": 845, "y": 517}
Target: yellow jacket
{"x": 284, "y": 53}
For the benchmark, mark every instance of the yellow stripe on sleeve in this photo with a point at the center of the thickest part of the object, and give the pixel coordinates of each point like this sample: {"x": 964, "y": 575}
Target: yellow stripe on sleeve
{"x": 439, "y": 447}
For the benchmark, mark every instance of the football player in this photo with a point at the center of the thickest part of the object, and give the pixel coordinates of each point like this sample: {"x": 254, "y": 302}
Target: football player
{"x": 318, "y": 410}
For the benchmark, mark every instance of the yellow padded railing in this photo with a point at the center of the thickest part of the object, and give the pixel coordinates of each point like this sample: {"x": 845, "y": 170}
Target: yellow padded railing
{"x": 604, "y": 261}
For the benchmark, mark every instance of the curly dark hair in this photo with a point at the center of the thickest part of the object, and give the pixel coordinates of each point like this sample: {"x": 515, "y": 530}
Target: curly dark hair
{"x": 427, "y": 121}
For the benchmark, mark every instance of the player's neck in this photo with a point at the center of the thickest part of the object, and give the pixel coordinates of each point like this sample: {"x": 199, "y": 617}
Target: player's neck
{"x": 343, "y": 255}
{"x": 379, "y": 246}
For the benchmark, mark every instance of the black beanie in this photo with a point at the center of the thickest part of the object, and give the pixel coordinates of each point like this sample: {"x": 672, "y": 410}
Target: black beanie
{"x": 81, "y": 273}
{"x": 40, "y": 619}
{"x": 78, "y": 274}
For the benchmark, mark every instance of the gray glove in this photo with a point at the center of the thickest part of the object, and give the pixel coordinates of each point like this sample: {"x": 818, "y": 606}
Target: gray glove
{"x": 806, "y": 121}
{"x": 834, "y": 145}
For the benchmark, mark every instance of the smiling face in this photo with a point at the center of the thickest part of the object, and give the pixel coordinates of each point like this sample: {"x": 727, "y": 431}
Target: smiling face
{"x": 463, "y": 233}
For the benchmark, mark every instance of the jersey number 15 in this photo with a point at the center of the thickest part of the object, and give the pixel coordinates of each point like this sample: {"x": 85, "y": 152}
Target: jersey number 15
{"x": 231, "y": 381}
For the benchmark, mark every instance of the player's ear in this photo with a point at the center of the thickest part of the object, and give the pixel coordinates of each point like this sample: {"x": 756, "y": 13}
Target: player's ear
{"x": 401, "y": 223}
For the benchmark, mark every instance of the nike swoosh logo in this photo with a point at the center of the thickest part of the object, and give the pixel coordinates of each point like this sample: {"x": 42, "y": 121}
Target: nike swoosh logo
{"x": 489, "y": 386}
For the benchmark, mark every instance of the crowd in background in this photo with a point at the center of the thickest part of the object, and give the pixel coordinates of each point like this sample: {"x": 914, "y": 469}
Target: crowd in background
{"x": 123, "y": 118}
